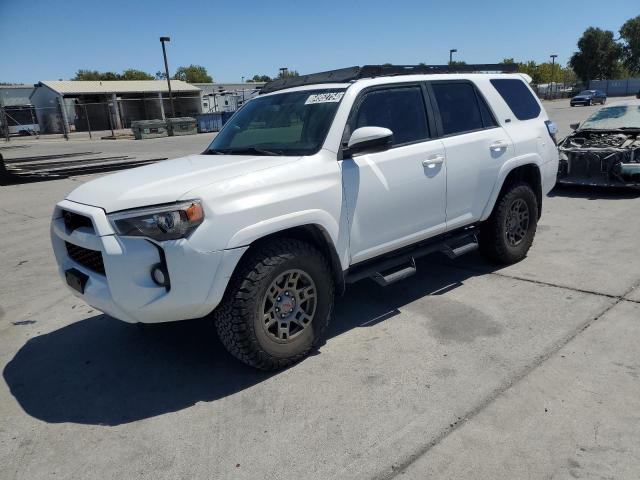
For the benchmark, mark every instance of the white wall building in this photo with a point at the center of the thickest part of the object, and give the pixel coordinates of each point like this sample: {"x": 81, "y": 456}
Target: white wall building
{"x": 227, "y": 97}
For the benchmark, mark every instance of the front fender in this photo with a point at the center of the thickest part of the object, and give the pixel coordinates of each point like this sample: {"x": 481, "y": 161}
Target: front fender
{"x": 508, "y": 167}
{"x": 251, "y": 233}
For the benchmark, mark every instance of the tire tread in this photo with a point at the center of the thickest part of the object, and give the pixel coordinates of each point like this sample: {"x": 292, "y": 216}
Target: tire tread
{"x": 492, "y": 243}
{"x": 233, "y": 317}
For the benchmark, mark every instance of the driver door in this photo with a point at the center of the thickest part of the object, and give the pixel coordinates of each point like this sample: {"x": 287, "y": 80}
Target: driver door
{"x": 394, "y": 197}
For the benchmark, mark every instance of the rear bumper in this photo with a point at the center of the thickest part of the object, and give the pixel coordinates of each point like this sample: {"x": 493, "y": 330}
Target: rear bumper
{"x": 126, "y": 290}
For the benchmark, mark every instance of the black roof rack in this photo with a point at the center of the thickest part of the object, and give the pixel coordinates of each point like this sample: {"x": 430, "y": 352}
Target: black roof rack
{"x": 349, "y": 74}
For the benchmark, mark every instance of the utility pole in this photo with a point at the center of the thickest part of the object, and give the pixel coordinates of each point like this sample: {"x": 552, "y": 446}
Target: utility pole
{"x": 451, "y": 52}
{"x": 553, "y": 70}
{"x": 166, "y": 70}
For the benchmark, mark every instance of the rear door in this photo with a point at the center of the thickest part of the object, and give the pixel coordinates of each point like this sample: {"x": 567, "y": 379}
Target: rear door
{"x": 395, "y": 197}
{"x": 475, "y": 145}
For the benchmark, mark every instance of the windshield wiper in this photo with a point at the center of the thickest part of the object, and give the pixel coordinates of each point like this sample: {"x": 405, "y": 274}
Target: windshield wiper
{"x": 243, "y": 151}
{"x": 213, "y": 151}
{"x": 251, "y": 151}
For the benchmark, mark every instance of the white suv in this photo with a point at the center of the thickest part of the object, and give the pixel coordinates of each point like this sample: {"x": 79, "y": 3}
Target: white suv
{"x": 320, "y": 181}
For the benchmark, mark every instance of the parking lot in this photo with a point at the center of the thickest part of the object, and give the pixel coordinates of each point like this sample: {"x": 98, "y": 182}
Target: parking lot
{"x": 465, "y": 370}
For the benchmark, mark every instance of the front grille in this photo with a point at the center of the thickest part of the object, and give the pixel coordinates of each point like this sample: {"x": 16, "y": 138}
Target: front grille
{"x": 74, "y": 220}
{"x": 90, "y": 259}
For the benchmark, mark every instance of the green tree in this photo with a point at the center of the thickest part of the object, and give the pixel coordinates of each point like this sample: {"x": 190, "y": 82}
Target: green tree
{"x": 630, "y": 35}
{"x": 455, "y": 63}
{"x": 193, "y": 74}
{"x": 94, "y": 75}
{"x": 598, "y": 55}
{"x": 531, "y": 69}
{"x": 568, "y": 76}
{"x": 133, "y": 74}
{"x": 129, "y": 74}
{"x": 288, "y": 73}
{"x": 260, "y": 78}
{"x": 549, "y": 72}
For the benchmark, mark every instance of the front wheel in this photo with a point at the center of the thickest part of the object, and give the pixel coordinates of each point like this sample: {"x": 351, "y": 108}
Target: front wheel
{"x": 508, "y": 234}
{"x": 277, "y": 306}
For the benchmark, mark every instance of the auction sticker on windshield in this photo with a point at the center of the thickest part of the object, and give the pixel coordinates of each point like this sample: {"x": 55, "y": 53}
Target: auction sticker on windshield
{"x": 331, "y": 97}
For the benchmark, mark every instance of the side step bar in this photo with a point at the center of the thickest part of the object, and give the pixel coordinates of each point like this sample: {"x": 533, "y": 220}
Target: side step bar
{"x": 392, "y": 268}
{"x": 393, "y": 276}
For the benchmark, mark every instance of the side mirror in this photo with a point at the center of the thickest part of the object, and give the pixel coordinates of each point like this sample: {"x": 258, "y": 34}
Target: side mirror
{"x": 370, "y": 139}
{"x": 574, "y": 126}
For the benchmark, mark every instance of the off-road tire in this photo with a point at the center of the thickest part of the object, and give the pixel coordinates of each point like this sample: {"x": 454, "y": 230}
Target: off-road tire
{"x": 237, "y": 318}
{"x": 493, "y": 234}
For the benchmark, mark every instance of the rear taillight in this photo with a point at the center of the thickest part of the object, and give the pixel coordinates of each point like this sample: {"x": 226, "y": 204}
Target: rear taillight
{"x": 552, "y": 128}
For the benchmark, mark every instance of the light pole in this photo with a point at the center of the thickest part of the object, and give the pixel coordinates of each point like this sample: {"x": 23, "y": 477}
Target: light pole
{"x": 553, "y": 69}
{"x": 451, "y": 52}
{"x": 283, "y": 71}
{"x": 166, "y": 71}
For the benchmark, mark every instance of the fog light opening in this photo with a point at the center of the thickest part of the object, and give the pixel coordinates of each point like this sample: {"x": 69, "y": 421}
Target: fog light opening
{"x": 159, "y": 275}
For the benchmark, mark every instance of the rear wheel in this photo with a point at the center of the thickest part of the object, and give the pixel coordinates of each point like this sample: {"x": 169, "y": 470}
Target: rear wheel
{"x": 277, "y": 305}
{"x": 508, "y": 234}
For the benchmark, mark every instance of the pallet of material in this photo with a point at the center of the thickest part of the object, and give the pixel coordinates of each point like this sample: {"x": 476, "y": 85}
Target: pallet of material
{"x": 51, "y": 167}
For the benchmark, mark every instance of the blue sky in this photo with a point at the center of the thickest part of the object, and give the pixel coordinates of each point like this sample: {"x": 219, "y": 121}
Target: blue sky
{"x": 48, "y": 40}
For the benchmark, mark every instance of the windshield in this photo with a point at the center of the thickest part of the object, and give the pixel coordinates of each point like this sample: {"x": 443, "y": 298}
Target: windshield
{"x": 290, "y": 123}
{"x": 619, "y": 116}
{"x": 587, "y": 92}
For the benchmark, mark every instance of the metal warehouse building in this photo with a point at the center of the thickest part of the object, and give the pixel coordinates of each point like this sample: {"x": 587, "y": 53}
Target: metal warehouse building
{"x": 104, "y": 105}
{"x": 15, "y": 94}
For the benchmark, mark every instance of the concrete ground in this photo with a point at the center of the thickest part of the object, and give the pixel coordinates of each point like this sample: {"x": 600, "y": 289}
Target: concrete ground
{"x": 462, "y": 371}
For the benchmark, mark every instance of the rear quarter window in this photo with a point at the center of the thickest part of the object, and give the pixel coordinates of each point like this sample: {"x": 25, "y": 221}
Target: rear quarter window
{"x": 518, "y": 96}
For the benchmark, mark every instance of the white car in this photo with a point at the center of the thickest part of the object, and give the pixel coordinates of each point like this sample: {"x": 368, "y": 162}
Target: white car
{"x": 322, "y": 180}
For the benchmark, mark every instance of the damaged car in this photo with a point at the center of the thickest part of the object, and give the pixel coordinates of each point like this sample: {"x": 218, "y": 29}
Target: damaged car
{"x": 605, "y": 149}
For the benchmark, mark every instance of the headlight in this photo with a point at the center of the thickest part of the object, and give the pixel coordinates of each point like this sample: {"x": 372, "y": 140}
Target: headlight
{"x": 164, "y": 222}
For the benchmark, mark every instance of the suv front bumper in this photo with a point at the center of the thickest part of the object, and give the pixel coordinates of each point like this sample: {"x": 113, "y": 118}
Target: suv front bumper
{"x": 119, "y": 269}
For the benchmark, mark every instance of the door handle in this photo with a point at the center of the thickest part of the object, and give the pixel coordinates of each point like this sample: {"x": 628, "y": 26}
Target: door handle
{"x": 498, "y": 145}
{"x": 433, "y": 160}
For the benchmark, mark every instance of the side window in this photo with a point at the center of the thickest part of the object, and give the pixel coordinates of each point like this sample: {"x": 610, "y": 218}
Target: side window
{"x": 487, "y": 117}
{"x": 518, "y": 96}
{"x": 401, "y": 110}
{"x": 459, "y": 109}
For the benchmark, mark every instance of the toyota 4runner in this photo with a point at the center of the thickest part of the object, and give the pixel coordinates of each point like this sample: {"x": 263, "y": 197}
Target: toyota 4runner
{"x": 321, "y": 180}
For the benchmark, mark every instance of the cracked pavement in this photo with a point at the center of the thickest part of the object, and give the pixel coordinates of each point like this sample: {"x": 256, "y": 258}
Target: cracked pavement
{"x": 463, "y": 371}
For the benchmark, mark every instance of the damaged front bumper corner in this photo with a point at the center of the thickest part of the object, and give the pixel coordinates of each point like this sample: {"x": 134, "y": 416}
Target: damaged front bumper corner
{"x": 614, "y": 165}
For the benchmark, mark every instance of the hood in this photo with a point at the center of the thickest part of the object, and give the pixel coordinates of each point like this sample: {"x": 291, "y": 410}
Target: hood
{"x": 582, "y": 97}
{"x": 167, "y": 181}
